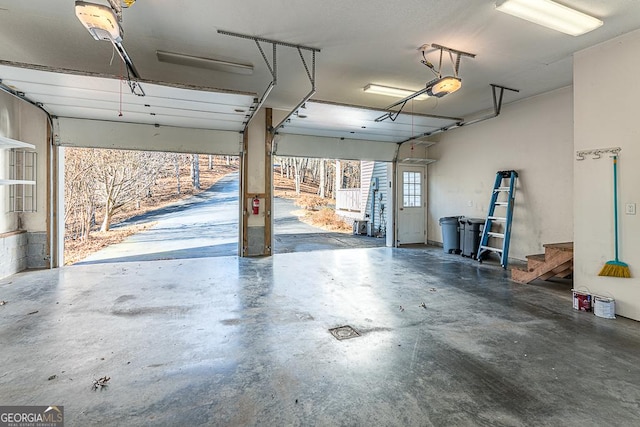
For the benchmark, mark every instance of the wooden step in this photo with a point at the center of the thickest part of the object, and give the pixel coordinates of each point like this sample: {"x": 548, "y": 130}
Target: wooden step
{"x": 534, "y": 260}
{"x": 556, "y": 261}
{"x": 562, "y": 247}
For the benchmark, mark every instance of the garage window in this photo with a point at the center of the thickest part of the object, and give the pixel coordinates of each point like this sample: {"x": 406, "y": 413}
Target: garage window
{"x": 412, "y": 190}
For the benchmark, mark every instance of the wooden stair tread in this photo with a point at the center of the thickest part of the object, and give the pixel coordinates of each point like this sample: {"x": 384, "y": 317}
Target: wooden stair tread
{"x": 556, "y": 261}
{"x": 566, "y": 246}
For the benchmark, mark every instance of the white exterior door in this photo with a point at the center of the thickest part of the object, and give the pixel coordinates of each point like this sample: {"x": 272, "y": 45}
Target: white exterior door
{"x": 411, "y": 205}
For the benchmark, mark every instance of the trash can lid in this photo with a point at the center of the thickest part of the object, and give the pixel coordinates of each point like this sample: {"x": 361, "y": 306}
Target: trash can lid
{"x": 449, "y": 219}
{"x": 475, "y": 220}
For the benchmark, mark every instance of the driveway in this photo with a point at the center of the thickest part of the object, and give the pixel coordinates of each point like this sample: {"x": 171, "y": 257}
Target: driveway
{"x": 206, "y": 225}
{"x": 293, "y": 235}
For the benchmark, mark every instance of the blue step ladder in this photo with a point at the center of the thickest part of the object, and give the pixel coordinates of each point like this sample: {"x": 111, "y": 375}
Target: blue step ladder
{"x": 498, "y": 224}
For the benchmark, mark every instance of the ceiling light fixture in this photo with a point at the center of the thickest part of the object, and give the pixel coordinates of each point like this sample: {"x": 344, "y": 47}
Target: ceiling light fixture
{"x": 101, "y": 21}
{"x": 392, "y": 91}
{"x": 207, "y": 63}
{"x": 444, "y": 86}
{"x": 551, "y": 15}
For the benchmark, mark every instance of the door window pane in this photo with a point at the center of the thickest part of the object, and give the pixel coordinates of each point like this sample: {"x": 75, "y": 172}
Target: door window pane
{"x": 411, "y": 189}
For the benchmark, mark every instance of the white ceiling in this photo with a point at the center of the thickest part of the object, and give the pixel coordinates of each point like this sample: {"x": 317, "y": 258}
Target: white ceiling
{"x": 361, "y": 42}
{"x": 101, "y": 98}
{"x": 346, "y": 121}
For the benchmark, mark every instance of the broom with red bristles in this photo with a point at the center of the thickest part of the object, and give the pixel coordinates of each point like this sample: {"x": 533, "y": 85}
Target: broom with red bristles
{"x": 615, "y": 267}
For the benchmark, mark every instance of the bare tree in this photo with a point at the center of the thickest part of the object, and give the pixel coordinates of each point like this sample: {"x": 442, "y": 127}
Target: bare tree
{"x": 176, "y": 165}
{"x": 121, "y": 177}
{"x": 297, "y": 171}
{"x": 321, "y": 172}
{"x": 195, "y": 171}
{"x": 79, "y": 193}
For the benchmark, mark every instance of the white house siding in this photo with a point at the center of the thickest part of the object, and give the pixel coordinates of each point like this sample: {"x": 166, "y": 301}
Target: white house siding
{"x": 366, "y": 173}
{"x": 373, "y": 210}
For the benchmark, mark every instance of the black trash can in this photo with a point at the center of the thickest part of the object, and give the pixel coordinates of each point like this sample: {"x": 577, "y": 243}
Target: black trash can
{"x": 470, "y": 239}
{"x": 450, "y": 234}
{"x": 462, "y": 222}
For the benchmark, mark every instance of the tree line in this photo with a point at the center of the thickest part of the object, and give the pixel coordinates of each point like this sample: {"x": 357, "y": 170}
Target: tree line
{"x": 101, "y": 182}
{"x": 320, "y": 172}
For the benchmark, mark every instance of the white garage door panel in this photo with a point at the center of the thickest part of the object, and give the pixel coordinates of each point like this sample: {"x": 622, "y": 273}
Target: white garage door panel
{"x": 65, "y": 106}
{"x": 334, "y": 148}
{"x": 133, "y": 136}
{"x": 163, "y": 120}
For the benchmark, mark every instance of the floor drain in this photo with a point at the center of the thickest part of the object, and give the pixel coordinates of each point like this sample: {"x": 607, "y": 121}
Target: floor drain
{"x": 344, "y": 332}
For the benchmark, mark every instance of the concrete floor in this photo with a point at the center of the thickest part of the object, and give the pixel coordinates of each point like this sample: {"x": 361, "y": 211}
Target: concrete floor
{"x": 230, "y": 341}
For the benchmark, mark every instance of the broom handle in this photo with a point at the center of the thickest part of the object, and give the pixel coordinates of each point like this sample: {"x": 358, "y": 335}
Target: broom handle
{"x": 615, "y": 203}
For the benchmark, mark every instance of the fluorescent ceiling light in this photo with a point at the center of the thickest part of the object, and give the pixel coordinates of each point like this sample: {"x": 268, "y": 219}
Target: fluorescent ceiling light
{"x": 100, "y": 20}
{"x": 551, "y": 15}
{"x": 208, "y": 63}
{"x": 392, "y": 91}
{"x": 444, "y": 86}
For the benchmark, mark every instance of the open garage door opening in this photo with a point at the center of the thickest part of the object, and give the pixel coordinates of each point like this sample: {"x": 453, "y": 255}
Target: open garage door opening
{"x": 127, "y": 205}
{"x": 322, "y": 204}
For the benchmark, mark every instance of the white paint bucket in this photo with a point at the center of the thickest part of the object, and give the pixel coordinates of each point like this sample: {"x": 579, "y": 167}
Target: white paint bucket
{"x": 604, "y": 307}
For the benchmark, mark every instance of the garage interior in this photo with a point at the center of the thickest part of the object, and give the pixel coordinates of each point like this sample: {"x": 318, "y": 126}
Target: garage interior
{"x": 247, "y": 340}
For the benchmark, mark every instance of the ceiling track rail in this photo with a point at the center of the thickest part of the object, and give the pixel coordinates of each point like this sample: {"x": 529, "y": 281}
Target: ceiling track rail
{"x": 21, "y": 95}
{"x": 117, "y": 8}
{"x": 458, "y": 53}
{"x": 274, "y": 80}
{"x": 497, "y": 104}
{"x": 273, "y": 69}
{"x": 498, "y": 94}
{"x": 135, "y": 87}
{"x": 312, "y": 79}
{"x": 393, "y": 115}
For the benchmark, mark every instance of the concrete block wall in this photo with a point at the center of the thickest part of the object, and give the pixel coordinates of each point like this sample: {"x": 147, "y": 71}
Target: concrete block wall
{"x": 13, "y": 253}
{"x": 37, "y": 256}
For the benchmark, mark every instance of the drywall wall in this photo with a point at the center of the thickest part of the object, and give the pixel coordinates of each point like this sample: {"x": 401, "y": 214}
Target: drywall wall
{"x": 533, "y": 137}
{"x": 607, "y": 118}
